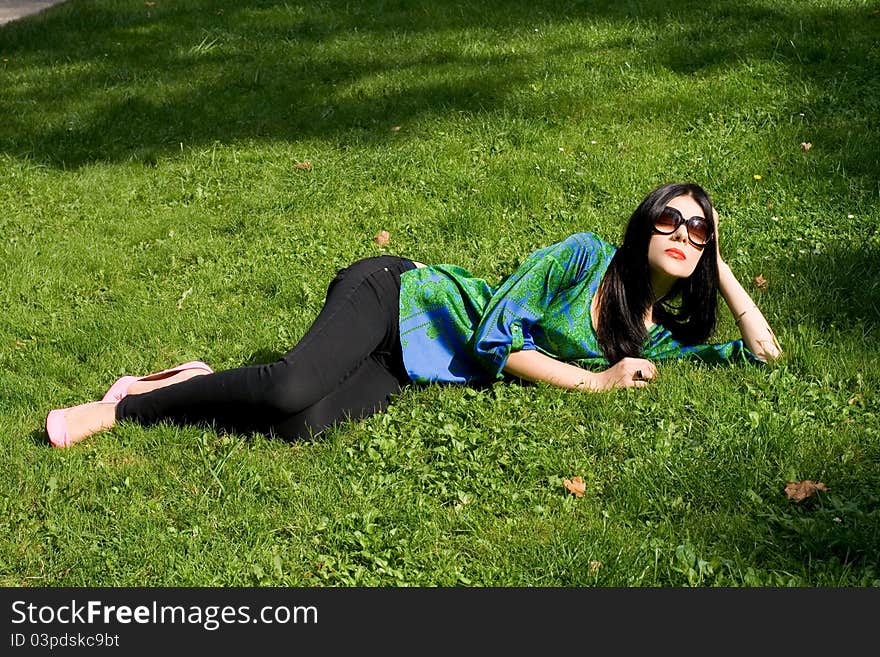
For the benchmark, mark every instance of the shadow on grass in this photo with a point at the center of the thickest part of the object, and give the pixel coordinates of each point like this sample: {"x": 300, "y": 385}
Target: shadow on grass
{"x": 835, "y": 298}
{"x": 845, "y": 285}
{"x": 844, "y": 530}
{"x": 835, "y": 293}
{"x": 264, "y": 356}
{"x": 39, "y": 438}
{"x": 87, "y": 82}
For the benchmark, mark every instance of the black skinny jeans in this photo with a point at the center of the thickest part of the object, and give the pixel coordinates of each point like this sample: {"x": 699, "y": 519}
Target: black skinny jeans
{"x": 346, "y": 366}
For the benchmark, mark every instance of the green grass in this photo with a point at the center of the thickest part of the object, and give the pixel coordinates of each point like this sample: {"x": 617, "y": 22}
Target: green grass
{"x": 151, "y": 213}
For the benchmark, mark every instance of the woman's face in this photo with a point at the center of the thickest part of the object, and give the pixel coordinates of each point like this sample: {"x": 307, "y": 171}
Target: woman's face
{"x": 673, "y": 256}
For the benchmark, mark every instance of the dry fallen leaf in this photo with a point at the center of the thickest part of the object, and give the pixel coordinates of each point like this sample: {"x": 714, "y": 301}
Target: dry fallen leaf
{"x": 805, "y": 146}
{"x": 382, "y": 237}
{"x": 801, "y": 490}
{"x": 595, "y": 566}
{"x": 305, "y": 166}
{"x": 760, "y": 282}
{"x": 576, "y": 485}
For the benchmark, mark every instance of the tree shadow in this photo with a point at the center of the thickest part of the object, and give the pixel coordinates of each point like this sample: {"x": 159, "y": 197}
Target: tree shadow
{"x": 832, "y": 301}
{"x": 835, "y": 298}
{"x": 843, "y": 530}
{"x": 84, "y": 83}
{"x": 839, "y": 290}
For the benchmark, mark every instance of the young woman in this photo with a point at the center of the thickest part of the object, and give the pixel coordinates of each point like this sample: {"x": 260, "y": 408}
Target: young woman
{"x": 579, "y": 314}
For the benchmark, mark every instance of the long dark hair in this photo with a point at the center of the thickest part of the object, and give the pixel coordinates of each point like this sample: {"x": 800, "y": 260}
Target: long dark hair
{"x": 687, "y": 311}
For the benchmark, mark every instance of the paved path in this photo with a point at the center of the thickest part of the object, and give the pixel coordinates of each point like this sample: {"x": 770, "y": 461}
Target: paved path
{"x": 12, "y": 9}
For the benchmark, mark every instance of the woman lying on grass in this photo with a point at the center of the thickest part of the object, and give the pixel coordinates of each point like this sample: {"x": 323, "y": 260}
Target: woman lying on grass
{"x": 579, "y": 314}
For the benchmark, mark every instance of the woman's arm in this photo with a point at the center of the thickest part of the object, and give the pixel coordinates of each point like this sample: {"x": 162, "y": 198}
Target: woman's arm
{"x": 535, "y": 366}
{"x": 757, "y": 335}
{"x": 756, "y": 332}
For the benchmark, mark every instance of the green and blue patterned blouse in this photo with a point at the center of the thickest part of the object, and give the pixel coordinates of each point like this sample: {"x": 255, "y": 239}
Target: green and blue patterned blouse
{"x": 455, "y": 328}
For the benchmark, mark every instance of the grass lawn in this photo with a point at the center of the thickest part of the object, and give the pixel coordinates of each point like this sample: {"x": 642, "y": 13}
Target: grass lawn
{"x": 181, "y": 180}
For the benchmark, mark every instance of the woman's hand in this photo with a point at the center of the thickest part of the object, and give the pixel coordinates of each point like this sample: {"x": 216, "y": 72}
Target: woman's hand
{"x": 627, "y": 373}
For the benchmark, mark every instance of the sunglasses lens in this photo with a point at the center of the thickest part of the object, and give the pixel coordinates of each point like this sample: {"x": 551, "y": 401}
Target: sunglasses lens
{"x": 670, "y": 219}
{"x": 698, "y": 230}
{"x": 667, "y": 222}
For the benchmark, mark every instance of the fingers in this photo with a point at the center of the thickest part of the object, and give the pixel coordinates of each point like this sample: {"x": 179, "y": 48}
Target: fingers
{"x": 633, "y": 383}
{"x": 635, "y": 373}
{"x": 641, "y": 369}
{"x": 641, "y": 372}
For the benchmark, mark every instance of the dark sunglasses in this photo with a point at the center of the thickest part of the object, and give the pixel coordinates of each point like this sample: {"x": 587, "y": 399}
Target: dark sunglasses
{"x": 698, "y": 230}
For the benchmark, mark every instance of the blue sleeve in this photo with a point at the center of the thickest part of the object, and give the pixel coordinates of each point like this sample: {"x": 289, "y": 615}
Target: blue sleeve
{"x": 521, "y": 300}
{"x": 734, "y": 351}
{"x": 725, "y": 352}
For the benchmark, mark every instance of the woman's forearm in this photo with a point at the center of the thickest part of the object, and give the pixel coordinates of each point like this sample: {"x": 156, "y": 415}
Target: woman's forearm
{"x": 757, "y": 335}
{"x": 534, "y": 366}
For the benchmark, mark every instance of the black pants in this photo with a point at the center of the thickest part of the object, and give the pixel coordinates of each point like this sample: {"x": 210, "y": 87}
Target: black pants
{"x": 346, "y": 366}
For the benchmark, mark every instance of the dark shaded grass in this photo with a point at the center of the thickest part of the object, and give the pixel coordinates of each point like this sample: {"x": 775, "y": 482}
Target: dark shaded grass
{"x": 126, "y": 80}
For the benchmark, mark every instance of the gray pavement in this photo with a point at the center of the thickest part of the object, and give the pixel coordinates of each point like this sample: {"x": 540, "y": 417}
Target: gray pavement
{"x": 11, "y": 10}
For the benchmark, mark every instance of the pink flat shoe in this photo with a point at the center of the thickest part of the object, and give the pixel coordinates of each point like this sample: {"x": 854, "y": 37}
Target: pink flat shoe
{"x": 120, "y": 388}
{"x": 56, "y": 425}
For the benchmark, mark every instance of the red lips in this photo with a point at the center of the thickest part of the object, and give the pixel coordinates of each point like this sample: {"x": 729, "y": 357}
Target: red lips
{"x": 675, "y": 253}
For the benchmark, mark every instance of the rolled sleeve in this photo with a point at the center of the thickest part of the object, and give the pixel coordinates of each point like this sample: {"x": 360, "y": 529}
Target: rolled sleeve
{"x": 521, "y": 301}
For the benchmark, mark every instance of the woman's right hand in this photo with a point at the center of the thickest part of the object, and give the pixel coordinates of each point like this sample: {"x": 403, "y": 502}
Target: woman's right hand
{"x": 627, "y": 373}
